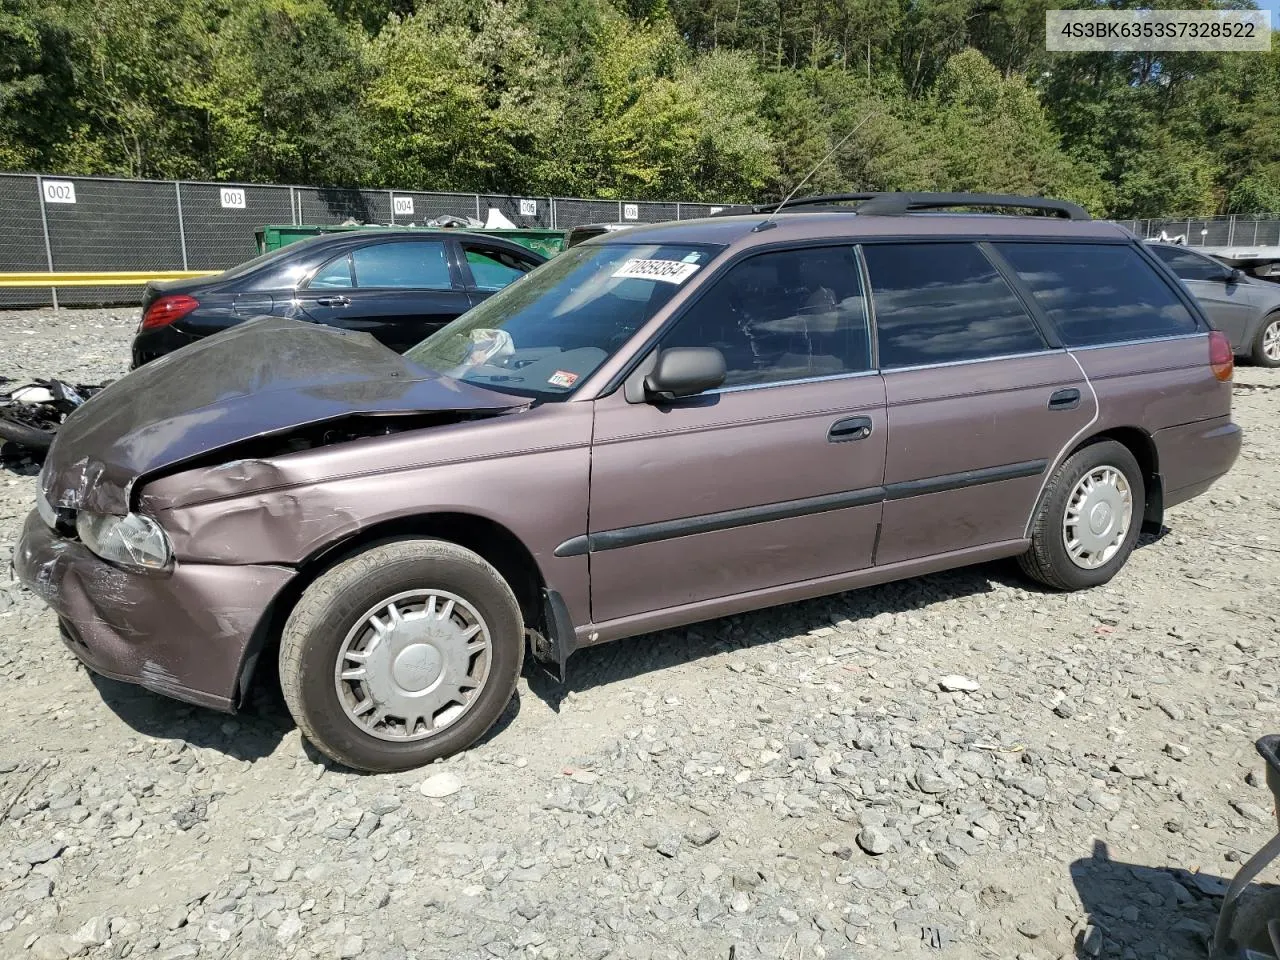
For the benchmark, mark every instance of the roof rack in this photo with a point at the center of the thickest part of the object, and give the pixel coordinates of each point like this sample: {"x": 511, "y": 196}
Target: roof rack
{"x": 897, "y": 204}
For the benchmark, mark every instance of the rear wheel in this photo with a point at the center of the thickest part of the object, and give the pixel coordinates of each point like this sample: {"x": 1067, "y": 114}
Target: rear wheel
{"x": 1266, "y": 345}
{"x": 404, "y": 654}
{"x": 1089, "y": 518}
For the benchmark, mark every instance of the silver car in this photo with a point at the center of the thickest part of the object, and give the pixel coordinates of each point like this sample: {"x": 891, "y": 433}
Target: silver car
{"x": 1245, "y": 308}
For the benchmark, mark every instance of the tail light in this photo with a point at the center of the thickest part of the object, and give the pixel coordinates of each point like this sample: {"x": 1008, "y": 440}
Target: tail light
{"x": 165, "y": 310}
{"x": 1221, "y": 357}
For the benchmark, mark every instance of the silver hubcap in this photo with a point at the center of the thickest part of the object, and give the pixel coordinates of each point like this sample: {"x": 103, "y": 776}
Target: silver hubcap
{"x": 1097, "y": 517}
{"x": 413, "y": 665}
{"x": 1271, "y": 341}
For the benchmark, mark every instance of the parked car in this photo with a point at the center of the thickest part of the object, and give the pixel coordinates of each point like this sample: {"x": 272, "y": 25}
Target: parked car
{"x": 1245, "y": 308}
{"x": 585, "y": 232}
{"x": 657, "y": 427}
{"x": 397, "y": 285}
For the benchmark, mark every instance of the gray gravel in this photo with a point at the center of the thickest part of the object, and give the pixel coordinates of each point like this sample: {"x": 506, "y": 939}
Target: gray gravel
{"x": 957, "y": 766}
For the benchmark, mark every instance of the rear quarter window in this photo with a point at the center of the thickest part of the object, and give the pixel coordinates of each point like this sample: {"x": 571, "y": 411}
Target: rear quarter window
{"x": 1099, "y": 293}
{"x": 943, "y": 303}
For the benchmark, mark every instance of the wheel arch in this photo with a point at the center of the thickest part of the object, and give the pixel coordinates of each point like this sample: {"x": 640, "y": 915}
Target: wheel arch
{"x": 1143, "y": 447}
{"x": 486, "y": 537}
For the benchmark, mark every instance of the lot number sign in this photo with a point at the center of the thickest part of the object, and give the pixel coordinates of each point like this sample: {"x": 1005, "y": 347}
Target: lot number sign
{"x": 59, "y": 191}
{"x": 233, "y": 198}
{"x": 402, "y": 206}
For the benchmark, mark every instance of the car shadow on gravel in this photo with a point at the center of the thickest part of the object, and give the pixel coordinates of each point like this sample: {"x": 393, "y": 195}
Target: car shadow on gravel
{"x": 1133, "y": 909}
{"x": 250, "y": 735}
{"x": 626, "y": 659}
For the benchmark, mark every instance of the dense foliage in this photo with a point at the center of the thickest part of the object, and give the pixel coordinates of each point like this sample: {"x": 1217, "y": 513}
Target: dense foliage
{"x": 642, "y": 99}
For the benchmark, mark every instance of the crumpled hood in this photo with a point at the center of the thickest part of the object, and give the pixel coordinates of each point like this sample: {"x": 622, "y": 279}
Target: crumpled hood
{"x": 260, "y": 378}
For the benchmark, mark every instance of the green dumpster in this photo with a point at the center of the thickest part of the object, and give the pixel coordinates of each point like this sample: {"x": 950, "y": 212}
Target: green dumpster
{"x": 274, "y": 236}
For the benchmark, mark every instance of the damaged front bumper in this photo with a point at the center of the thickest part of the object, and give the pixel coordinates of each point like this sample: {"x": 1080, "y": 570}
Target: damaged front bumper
{"x": 183, "y": 633}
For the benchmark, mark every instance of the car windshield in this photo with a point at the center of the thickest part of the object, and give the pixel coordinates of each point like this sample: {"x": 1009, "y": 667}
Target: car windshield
{"x": 547, "y": 332}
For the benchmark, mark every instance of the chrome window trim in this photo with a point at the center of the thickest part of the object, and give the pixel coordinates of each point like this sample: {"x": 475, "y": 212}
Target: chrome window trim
{"x": 887, "y": 371}
{"x": 787, "y": 383}
{"x": 1139, "y": 340}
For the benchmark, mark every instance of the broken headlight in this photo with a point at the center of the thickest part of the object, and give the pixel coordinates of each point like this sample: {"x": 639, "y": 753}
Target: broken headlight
{"x": 130, "y": 541}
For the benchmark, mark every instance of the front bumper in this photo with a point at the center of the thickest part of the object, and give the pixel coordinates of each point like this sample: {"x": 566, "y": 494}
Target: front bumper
{"x": 183, "y": 634}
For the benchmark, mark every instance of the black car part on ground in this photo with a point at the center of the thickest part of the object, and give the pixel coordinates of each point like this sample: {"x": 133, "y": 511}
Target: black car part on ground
{"x": 31, "y": 414}
{"x": 1246, "y": 933}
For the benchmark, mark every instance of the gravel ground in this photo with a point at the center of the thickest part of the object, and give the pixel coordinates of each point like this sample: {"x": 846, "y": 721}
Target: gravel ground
{"x": 959, "y": 765}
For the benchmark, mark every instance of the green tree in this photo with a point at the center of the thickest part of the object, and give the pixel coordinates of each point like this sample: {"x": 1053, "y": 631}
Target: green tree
{"x": 284, "y": 100}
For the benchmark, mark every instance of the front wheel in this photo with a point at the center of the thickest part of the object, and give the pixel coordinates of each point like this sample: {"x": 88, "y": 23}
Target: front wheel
{"x": 1089, "y": 518}
{"x": 1266, "y": 345}
{"x": 401, "y": 655}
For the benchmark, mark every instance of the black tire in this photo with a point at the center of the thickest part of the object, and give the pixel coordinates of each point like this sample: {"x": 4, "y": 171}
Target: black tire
{"x": 1270, "y": 326}
{"x": 332, "y": 607}
{"x": 1249, "y": 928}
{"x": 22, "y": 435}
{"x": 1047, "y": 560}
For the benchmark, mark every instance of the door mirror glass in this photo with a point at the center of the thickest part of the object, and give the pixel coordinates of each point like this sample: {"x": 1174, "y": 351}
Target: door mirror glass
{"x": 684, "y": 372}
{"x": 1235, "y": 275}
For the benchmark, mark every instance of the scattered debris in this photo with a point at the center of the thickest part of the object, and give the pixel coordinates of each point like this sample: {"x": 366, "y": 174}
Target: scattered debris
{"x": 31, "y": 414}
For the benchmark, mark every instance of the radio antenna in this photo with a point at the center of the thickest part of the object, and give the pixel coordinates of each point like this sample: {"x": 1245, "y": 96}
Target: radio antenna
{"x": 816, "y": 167}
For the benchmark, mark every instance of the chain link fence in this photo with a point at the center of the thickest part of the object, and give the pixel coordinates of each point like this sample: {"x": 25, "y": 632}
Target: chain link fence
{"x": 92, "y": 224}
{"x": 98, "y": 224}
{"x": 1259, "y": 231}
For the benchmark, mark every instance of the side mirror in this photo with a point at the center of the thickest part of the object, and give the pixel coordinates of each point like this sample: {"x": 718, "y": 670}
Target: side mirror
{"x": 1235, "y": 275}
{"x": 684, "y": 372}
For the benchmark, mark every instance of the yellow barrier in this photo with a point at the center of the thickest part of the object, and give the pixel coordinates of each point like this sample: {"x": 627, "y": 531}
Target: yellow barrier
{"x": 114, "y": 278}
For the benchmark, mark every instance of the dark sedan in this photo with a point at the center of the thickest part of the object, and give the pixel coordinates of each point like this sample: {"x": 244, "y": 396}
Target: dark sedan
{"x": 397, "y": 285}
{"x": 1245, "y": 308}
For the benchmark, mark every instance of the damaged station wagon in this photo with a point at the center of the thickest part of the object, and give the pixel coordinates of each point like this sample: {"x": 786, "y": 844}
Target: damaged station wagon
{"x": 660, "y": 426}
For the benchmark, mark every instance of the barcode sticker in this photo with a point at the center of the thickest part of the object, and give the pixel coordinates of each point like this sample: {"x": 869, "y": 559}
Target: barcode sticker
{"x": 668, "y": 271}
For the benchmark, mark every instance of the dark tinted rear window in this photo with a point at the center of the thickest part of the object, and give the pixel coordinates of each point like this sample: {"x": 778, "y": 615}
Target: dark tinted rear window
{"x": 1099, "y": 293}
{"x": 1188, "y": 265}
{"x": 942, "y": 302}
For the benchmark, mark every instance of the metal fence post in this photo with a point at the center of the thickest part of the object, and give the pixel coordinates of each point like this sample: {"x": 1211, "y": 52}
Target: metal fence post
{"x": 553, "y": 212}
{"x": 391, "y": 198}
{"x": 677, "y": 209}
{"x": 478, "y": 217}
{"x": 1231, "y": 230}
{"x": 619, "y": 211}
{"x": 48, "y": 248}
{"x": 293, "y": 207}
{"x": 182, "y": 229}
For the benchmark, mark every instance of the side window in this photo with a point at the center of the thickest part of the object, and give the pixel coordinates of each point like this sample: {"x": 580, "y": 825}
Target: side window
{"x": 1188, "y": 265}
{"x": 334, "y": 274}
{"x": 788, "y": 315}
{"x": 943, "y": 302}
{"x": 493, "y": 269}
{"x": 416, "y": 264}
{"x": 1099, "y": 293}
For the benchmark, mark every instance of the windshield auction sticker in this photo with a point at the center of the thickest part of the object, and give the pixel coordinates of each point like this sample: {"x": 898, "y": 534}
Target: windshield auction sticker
{"x": 668, "y": 271}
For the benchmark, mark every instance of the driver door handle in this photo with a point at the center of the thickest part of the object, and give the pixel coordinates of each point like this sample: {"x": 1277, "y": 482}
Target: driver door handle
{"x": 338, "y": 301}
{"x": 850, "y": 428}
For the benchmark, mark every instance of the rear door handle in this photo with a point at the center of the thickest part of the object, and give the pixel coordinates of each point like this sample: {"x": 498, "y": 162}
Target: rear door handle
{"x": 1067, "y": 399}
{"x": 851, "y": 428}
{"x": 332, "y": 301}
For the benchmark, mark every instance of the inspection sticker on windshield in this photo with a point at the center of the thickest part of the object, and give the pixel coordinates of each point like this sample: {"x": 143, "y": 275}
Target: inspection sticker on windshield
{"x": 668, "y": 271}
{"x": 562, "y": 378}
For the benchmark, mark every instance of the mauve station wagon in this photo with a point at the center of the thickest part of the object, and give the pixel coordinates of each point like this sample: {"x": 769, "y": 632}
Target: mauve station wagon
{"x": 659, "y": 426}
